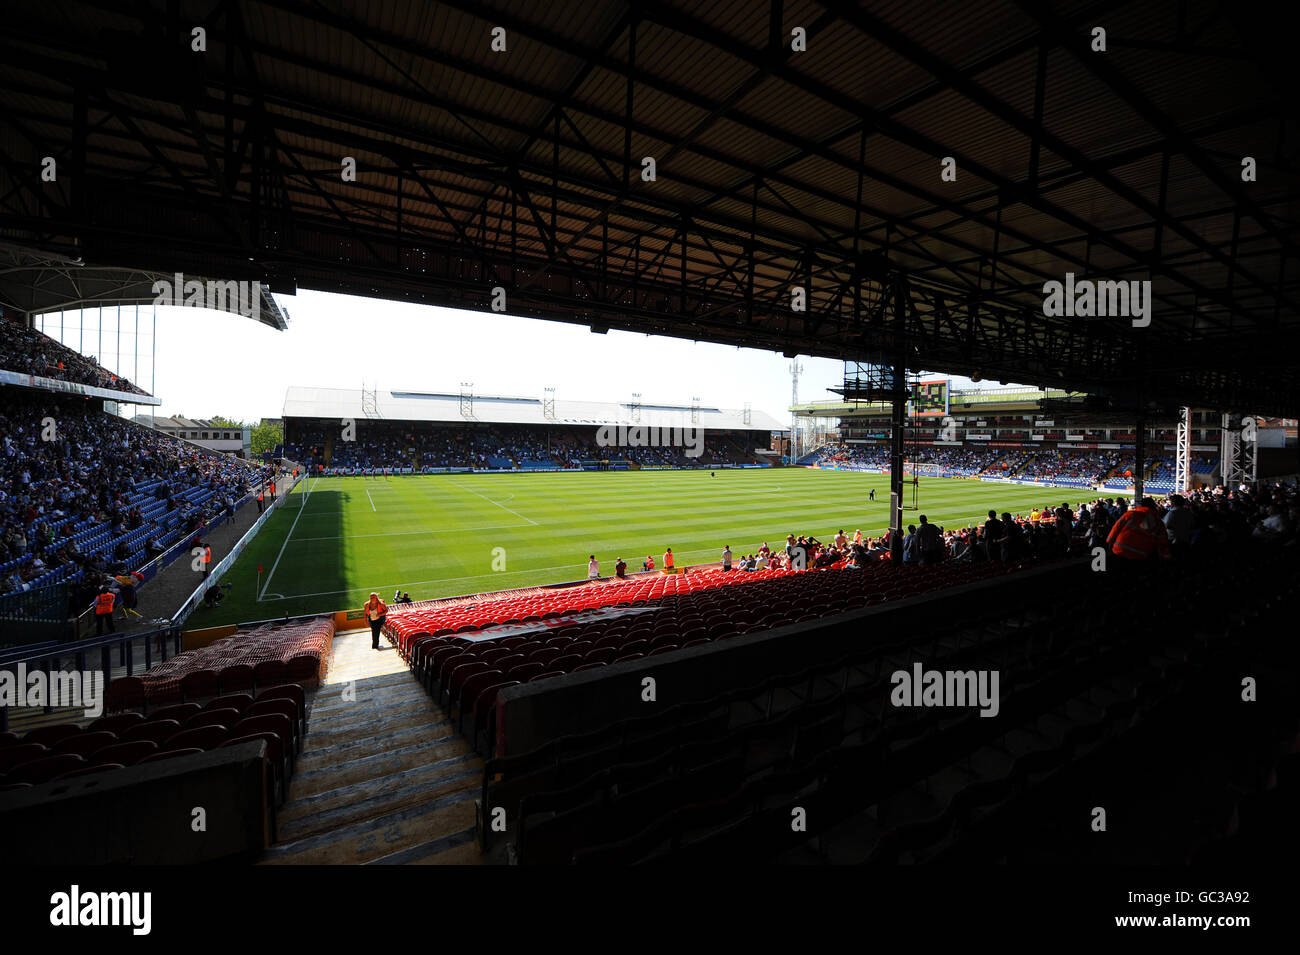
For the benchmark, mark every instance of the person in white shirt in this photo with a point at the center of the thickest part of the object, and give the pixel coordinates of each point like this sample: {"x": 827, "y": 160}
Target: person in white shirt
{"x": 593, "y": 567}
{"x": 726, "y": 557}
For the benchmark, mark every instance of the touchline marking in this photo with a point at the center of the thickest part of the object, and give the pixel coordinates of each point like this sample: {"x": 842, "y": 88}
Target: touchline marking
{"x": 371, "y": 500}
{"x": 454, "y": 530}
{"x": 497, "y": 503}
{"x": 285, "y": 544}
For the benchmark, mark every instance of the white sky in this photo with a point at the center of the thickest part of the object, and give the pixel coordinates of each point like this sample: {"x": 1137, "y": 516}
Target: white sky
{"x": 213, "y": 363}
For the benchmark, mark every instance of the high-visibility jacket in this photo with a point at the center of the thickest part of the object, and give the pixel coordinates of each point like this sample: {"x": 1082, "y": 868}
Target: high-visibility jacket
{"x": 259, "y": 497}
{"x": 207, "y": 555}
{"x": 668, "y": 558}
{"x": 374, "y": 612}
{"x": 1137, "y": 534}
{"x": 104, "y": 604}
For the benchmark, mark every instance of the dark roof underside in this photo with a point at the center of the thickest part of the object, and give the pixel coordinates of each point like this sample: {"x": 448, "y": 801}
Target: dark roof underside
{"x": 775, "y": 169}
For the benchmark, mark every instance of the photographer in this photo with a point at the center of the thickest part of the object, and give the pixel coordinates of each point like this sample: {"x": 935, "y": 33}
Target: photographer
{"x": 213, "y": 595}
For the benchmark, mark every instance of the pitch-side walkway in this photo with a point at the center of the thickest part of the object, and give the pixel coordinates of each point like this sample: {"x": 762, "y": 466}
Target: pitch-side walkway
{"x": 382, "y": 778}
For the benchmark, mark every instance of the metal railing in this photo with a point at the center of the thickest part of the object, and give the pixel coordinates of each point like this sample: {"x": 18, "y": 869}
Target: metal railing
{"x": 94, "y": 654}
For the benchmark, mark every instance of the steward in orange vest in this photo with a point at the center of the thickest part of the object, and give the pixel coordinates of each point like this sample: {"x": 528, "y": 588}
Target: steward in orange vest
{"x": 668, "y": 559}
{"x": 104, "y": 611}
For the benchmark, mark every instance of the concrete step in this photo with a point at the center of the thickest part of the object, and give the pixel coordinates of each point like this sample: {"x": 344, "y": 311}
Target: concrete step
{"x": 383, "y": 777}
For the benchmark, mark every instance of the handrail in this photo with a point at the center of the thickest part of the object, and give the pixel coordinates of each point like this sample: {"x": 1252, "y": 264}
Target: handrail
{"x": 47, "y": 658}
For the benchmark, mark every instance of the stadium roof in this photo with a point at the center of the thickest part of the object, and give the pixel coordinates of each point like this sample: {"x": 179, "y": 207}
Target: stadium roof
{"x": 494, "y": 409}
{"x": 775, "y": 168}
{"x": 36, "y": 283}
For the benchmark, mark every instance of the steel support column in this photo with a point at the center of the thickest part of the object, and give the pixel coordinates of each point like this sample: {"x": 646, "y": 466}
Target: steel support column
{"x": 1183, "y": 454}
{"x": 1139, "y": 453}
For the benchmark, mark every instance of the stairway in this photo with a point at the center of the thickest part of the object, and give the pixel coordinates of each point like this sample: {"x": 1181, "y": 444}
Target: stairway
{"x": 382, "y": 778}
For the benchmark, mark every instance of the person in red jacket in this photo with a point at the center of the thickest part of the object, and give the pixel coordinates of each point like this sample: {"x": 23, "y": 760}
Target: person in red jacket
{"x": 1139, "y": 533}
{"x": 376, "y": 613}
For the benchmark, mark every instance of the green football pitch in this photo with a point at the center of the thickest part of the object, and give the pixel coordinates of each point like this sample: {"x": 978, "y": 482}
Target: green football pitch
{"x": 447, "y": 534}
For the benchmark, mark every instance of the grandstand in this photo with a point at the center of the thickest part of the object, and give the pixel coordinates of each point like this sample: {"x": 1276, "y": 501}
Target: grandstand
{"x": 428, "y": 433}
{"x": 1039, "y": 627}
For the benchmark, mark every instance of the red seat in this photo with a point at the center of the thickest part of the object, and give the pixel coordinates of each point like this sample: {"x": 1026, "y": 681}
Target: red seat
{"x": 468, "y": 692}
{"x": 90, "y": 770}
{"x": 269, "y": 673}
{"x": 276, "y": 723}
{"x": 231, "y": 701}
{"x": 156, "y": 731}
{"x": 457, "y": 677}
{"x": 202, "y": 737}
{"x": 168, "y": 754}
{"x": 234, "y": 678}
{"x": 566, "y": 662}
{"x": 304, "y": 669}
{"x": 525, "y": 671}
{"x": 51, "y": 736}
{"x": 180, "y": 712}
{"x": 484, "y": 703}
{"x": 294, "y": 693}
{"x": 42, "y": 770}
{"x": 199, "y": 685}
{"x": 12, "y": 756}
{"x": 274, "y": 755}
{"x": 125, "y": 754}
{"x": 116, "y": 724}
{"x": 88, "y": 743}
{"x": 124, "y": 693}
{"x": 283, "y": 706}
{"x": 227, "y": 717}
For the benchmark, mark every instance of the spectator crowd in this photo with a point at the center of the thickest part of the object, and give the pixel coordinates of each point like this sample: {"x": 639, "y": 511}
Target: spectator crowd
{"x": 29, "y": 352}
{"x": 66, "y": 469}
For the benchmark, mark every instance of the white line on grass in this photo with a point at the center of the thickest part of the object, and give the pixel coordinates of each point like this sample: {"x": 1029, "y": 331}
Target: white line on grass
{"x": 284, "y": 545}
{"x": 497, "y": 503}
{"x": 372, "y": 501}
{"x": 453, "y": 530}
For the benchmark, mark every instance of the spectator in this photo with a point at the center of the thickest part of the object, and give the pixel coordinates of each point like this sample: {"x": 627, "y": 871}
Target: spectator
{"x": 992, "y": 536}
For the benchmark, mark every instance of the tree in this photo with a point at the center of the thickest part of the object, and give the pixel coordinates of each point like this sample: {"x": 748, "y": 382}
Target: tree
{"x": 267, "y": 433}
{"x": 220, "y": 422}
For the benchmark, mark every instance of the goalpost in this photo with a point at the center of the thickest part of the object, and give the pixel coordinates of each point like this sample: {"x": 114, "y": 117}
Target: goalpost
{"x": 911, "y": 481}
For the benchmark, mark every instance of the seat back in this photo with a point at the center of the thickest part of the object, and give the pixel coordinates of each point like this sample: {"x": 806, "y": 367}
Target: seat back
{"x": 199, "y": 685}
{"x": 153, "y": 730}
{"x": 203, "y": 738}
{"x": 125, "y": 754}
